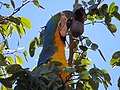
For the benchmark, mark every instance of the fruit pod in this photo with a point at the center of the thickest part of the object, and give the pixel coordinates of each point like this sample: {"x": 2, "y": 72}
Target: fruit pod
{"x": 77, "y": 28}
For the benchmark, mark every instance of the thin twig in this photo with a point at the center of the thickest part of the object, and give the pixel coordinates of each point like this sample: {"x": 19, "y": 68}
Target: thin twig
{"x": 19, "y": 8}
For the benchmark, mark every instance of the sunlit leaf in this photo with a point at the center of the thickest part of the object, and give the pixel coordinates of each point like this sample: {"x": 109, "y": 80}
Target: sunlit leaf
{"x": 10, "y": 59}
{"x": 110, "y": 10}
{"x": 85, "y": 61}
{"x": 25, "y": 22}
{"x": 114, "y": 62}
{"x": 32, "y": 48}
{"x": 19, "y": 60}
{"x": 36, "y": 3}
{"x": 115, "y": 9}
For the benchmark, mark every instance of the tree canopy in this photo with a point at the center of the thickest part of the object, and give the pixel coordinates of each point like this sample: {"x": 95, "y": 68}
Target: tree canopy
{"x": 83, "y": 76}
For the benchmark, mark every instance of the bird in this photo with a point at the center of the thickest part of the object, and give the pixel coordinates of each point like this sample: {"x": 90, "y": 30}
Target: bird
{"x": 55, "y": 36}
{"x": 54, "y": 41}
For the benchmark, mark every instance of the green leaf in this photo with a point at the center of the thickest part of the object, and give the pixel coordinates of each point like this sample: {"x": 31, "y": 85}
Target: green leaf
{"x": 94, "y": 46}
{"x": 112, "y": 28}
{"x": 108, "y": 18}
{"x": 84, "y": 3}
{"x": 56, "y": 63}
{"x": 13, "y": 4}
{"x": 110, "y": 10}
{"x": 13, "y": 68}
{"x": 25, "y": 55}
{"x": 83, "y": 48}
{"x": 93, "y": 84}
{"x": 115, "y": 9}
{"x": 19, "y": 60}
{"x": 116, "y": 55}
{"x": 103, "y": 9}
{"x": 25, "y": 22}
{"x": 117, "y": 15}
{"x": 101, "y": 54}
{"x": 19, "y": 29}
{"x": 88, "y": 42}
{"x": 5, "y": 88}
{"x": 10, "y": 59}
{"x": 68, "y": 69}
{"x": 115, "y": 62}
{"x": 15, "y": 20}
{"x": 36, "y": 3}
{"x": 85, "y": 61}
{"x": 91, "y": 2}
{"x": 7, "y": 5}
{"x": 32, "y": 48}
{"x": 2, "y": 58}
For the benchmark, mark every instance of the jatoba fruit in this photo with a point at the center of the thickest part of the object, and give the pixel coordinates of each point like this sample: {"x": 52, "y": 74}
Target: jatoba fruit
{"x": 77, "y": 28}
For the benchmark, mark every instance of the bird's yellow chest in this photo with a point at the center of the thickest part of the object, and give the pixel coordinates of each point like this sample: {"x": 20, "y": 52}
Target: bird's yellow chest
{"x": 60, "y": 53}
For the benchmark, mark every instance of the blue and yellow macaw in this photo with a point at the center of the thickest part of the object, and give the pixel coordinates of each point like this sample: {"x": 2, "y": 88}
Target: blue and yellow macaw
{"x": 55, "y": 36}
{"x": 54, "y": 40}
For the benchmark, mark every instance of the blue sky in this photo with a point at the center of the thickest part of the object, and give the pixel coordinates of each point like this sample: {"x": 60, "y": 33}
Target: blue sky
{"x": 98, "y": 33}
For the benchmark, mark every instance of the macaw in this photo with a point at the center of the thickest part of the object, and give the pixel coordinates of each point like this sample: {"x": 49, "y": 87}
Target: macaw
{"x": 54, "y": 40}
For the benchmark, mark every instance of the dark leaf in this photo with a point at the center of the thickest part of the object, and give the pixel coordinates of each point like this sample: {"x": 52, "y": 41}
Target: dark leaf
{"x": 94, "y": 46}
{"x": 119, "y": 82}
{"x": 88, "y": 42}
{"x": 117, "y": 15}
{"x": 116, "y": 55}
{"x": 15, "y": 20}
{"x": 32, "y": 48}
{"x": 93, "y": 84}
{"x": 56, "y": 63}
{"x": 91, "y": 2}
{"x": 107, "y": 18}
{"x": 6, "y": 83}
{"x": 83, "y": 48}
{"x": 13, "y": 68}
{"x": 68, "y": 69}
{"x": 84, "y": 3}
{"x": 13, "y": 4}
{"x": 2, "y": 58}
{"x": 112, "y": 28}
{"x": 101, "y": 54}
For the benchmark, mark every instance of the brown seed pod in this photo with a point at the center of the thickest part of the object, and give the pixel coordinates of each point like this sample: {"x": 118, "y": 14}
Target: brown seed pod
{"x": 77, "y": 28}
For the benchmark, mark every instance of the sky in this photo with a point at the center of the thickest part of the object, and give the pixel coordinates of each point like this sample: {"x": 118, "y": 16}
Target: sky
{"x": 98, "y": 33}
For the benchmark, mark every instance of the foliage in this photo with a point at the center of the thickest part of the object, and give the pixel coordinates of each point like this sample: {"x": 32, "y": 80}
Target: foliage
{"x": 48, "y": 77}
